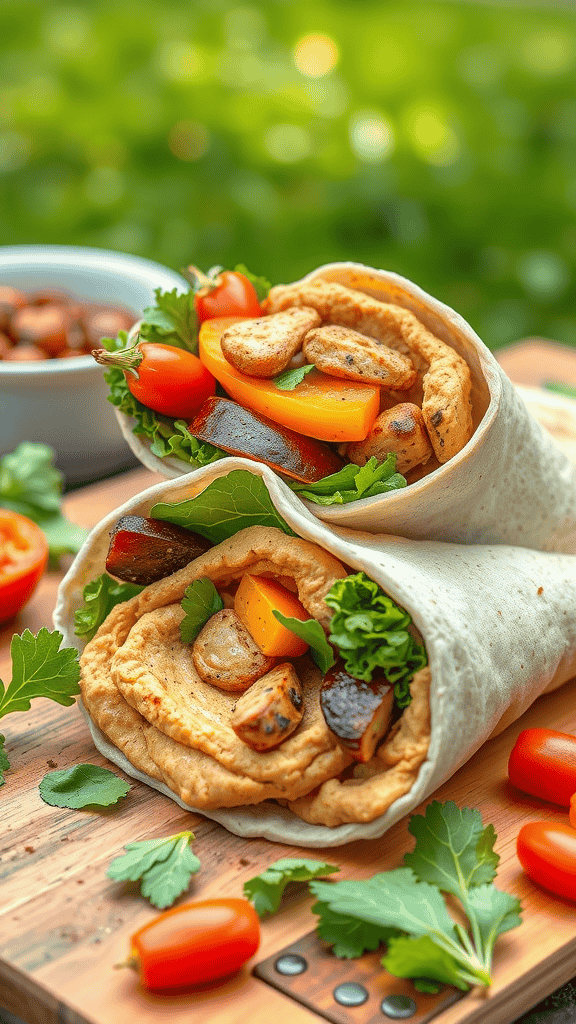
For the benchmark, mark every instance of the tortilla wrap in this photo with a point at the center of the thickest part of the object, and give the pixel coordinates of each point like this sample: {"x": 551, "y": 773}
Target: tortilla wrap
{"x": 510, "y": 484}
{"x": 499, "y": 627}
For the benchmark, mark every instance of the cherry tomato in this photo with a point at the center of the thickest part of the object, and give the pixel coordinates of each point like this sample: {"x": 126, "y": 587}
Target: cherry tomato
{"x": 23, "y": 558}
{"x": 543, "y": 763}
{"x": 195, "y": 943}
{"x": 232, "y": 295}
{"x": 166, "y": 379}
{"x": 547, "y": 852}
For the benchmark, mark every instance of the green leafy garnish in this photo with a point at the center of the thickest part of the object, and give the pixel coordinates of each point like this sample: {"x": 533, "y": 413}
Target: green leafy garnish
{"x": 164, "y": 867}
{"x": 265, "y": 890}
{"x": 353, "y": 482}
{"x": 172, "y": 321}
{"x": 568, "y": 390}
{"x": 290, "y": 379}
{"x": 311, "y": 632}
{"x": 30, "y": 484}
{"x": 261, "y": 284}
{"x": 453, "y": 854}
{"x": 229, "y": 504}
{"x": 100, "y": 597}
{"x": 201, "y": 600}
{"x": 371, "y": 632}
{"x": 84, "y": 785}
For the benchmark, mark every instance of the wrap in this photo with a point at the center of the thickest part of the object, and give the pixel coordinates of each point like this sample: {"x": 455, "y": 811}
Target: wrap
{"x": 499, "y": 627}
{"x": 509, "y": 484}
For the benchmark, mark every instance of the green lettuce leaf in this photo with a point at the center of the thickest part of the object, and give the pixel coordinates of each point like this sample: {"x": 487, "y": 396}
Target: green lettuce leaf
{"x": 311, "y": 632}
{"x": 353, "y": 482}
{"x": 172, "y": 321}
{"x": 201, "y": 600}
{"x": 266, "y": 889}
{"x": 84, "y": 785}
{"x": 100, "y": 597}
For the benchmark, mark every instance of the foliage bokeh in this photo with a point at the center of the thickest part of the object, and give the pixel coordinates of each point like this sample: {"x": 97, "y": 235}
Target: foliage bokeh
{"x": 435, "y": 139}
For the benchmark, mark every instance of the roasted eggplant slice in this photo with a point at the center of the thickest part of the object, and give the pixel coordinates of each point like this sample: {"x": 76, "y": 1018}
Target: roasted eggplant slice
{"x": 270, "y": 710}
{"x": 242, "y": 432}
{"x": 145, "y": 550}
{"x": 358, "y": 713}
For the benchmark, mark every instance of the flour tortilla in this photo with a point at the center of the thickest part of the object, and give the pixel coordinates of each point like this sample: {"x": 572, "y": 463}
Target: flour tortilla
{"x": 510, "y": 484}
{"x": 499, "y": 627}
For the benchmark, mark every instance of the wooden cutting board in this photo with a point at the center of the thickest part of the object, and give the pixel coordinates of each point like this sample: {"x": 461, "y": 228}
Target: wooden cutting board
{"x": 63, "y": 924}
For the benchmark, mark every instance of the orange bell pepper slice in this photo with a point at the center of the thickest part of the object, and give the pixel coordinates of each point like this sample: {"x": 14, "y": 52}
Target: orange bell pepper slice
{"x": 254, "y": 604}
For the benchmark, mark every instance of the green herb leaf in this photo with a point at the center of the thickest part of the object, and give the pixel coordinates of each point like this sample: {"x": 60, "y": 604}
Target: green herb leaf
{"x": 261, "y": 284}
{"x": 453, "y": 850}
{"x": 30, "y": 484}
{"x": 100, "y": 597}
{"x": 172, "y": 321}
{"x": 409, "y": 957}
{"x": 4, "y": 762}
{"x": 201, "y": 600}
{"x": 40, "y": 669}
{"x": 265, "y": 890}
{"x": 568, "y": 390}
{"x": 349, "y": 936}
{"x": 311, "y": 632}
{"x": 494, "y": 912}
{"x": 290, "y": 379}
{"x": 226, "y": 506}
{"x": 164, "y": 867}
{"x": 353, "y": 482}
{"x": 84, "y": 785}
{"x": 370, "y": 631}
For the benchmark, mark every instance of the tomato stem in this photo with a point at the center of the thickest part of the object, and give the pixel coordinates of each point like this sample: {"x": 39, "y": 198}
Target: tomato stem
{"x": 132, "y": 962}
{"x": 203, "y": 284}
{"x": 126, "y": 359}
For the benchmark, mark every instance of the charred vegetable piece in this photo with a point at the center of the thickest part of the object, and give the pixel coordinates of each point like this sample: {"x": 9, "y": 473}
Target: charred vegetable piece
{"x": 358, "y": 713}
{"x": 242, "y": 432}
{"x": 270, "y": 710}
{"x": 145, "y": 550}
{"x": 225, "y": 655}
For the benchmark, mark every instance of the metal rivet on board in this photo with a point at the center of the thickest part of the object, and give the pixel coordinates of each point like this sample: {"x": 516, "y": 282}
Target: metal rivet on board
{"x": 291, "y": 963}
{"x": 398, "y": 1007}
{"x": 350, "y": 994}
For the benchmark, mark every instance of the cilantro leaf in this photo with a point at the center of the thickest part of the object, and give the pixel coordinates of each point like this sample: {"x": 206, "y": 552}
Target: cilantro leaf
{"x": 311, "y": 632}
{"x": 4, "y": 762}
{"x": 453, "y": 850}
{"x": 164, "y": 867}
{"x": 349, "y": 936}
{"x": 353, "y": 482}
{"x": 494, "y": 912}
{"x": 265, "y": 890}
{"x": 40, "y": 669}
{"x": 201, "y": 600}
{"x": 100, "y": 597}
{"x": 261, "y": 285}
{"x": 172, "y": 321}
{"x": 84, "y": 785}
{"x": 409, "y": 957}
{"x": 370, "y": 631}
{"x": 290, "y": 379}
{"x": 30, "y": 484}
{"x": 227, "y": 505}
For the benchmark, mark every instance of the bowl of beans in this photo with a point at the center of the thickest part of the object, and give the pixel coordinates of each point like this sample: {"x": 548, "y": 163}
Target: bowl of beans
{"x": 56, "y": 304}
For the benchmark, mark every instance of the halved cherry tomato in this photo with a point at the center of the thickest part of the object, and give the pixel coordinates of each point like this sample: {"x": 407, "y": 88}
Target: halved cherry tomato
{"x": 164, "y": 378}
{"x": 543, "y": 763}
{"x": 228, "y": 294}
{"x": 23, "y": 558}
{"x": 572, "y": 813}
{"x": 195, "y": 943}
{"x": 547, "y": 852}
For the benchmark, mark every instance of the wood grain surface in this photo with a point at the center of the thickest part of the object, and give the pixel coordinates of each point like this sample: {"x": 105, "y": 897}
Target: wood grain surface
{"x": 64, "y": 925}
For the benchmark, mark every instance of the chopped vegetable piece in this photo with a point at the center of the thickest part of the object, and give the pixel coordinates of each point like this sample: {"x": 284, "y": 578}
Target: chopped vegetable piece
{"x": 322, "y": 407}
{"x": 547, "y": 852}
{"x": 145, "y": 550}
{"x": 166, "y": 379}
{"x": 223, "y": 293}
{"x": 83, "y": 785}
{"x": 23, "y": 559}
{"x": 163, "y": 866}
{"x": 266, "y": 889}
{"x": 543, "y": 763}
{"x": 242, "y": 432}
{"x": 195, "y": 943}
{"x": 256, "y": 600}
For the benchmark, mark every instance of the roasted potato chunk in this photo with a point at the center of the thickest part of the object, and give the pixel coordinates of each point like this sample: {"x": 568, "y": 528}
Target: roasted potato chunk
{"x": 270, "y": 710}
{"x": 264, "y": 347}
{"x": 342, "y": 352}
{"x": 401, "y": 430}
{"x": 225, "y": 655}
{"x": 358, "y": 713}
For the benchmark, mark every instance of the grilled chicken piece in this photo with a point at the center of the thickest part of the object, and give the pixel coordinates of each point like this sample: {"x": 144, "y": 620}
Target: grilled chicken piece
{"x": 401, "y": 430}
{"x": 342, "y": 352}
{"x": 358, "y": 713}
{"x": 270, "y": 710}
{"x": 225, "y": 655}
{"x": 145, "y": 550}
{"x": 264, "y": 347}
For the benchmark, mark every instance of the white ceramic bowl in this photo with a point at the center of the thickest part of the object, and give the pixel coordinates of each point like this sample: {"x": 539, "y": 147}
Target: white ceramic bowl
{"x": 63, "y": 402}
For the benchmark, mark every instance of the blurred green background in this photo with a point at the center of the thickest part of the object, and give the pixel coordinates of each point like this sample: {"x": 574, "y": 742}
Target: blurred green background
{"x": 434, "y": 139}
